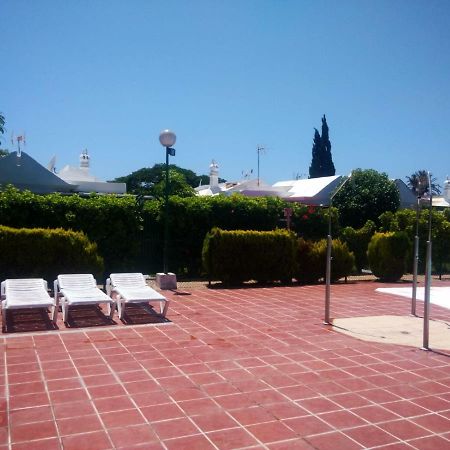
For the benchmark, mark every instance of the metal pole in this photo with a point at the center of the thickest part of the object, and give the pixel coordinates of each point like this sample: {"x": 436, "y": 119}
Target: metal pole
{"x": 327, "y": 320}
{"x": 166, "y": 215}
{"x": 415, "y": 262}
{"x": 426, "y": 307}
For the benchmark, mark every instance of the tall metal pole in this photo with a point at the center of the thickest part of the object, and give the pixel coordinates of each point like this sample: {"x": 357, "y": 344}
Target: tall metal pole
{"x": 426, "y": 307}
{"x": 416, "y": 261}
{"x": 166, "y": 216}
{"x": 328, "y": 270}
{"x": 327, "y": 319}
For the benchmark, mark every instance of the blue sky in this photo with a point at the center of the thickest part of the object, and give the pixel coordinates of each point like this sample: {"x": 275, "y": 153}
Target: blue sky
{"x": 226, "y": 76}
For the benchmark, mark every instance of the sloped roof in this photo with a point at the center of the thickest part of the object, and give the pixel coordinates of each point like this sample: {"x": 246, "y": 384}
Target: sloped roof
{"x": 25, "y": 173}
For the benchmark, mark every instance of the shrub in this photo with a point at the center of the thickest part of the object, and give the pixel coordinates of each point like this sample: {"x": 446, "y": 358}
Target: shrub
{"x": 312, "y": 260}
{"x": 45, "y": 253}
{"x": 358, "y": 241}
{"x": 308, "y": 267}
{"x": 237, "y": 256}
{"x": 388, "y": 254}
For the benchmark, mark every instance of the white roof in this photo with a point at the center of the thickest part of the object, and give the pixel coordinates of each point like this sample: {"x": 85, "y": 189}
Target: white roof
{"x": 74, "y": 174}
{"x": 306, "y": 188}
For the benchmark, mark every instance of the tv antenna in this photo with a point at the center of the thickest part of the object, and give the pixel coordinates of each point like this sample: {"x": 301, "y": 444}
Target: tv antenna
{"x": 259, "y": 150}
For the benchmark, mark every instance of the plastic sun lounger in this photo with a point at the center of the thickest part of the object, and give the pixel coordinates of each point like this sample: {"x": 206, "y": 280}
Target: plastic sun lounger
{"x": 22, "y": 293}
{"x": 132, "y": 288}
{"x": 80, "y": 289}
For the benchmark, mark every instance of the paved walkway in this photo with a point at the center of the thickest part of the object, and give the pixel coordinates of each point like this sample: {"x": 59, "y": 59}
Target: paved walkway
{"x": 247, "y": 368}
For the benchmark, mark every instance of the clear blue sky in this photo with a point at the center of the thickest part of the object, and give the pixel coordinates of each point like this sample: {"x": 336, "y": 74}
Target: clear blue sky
{"x": 108, "y": 75}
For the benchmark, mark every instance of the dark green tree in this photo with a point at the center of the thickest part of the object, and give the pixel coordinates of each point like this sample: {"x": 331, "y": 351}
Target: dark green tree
{"x": 418, "y": 183}
{"x": 2, "y": 124}
{"x": 322, "y": 161}
{"x": 145, "y": 180}
{"x": 365, "y": 197}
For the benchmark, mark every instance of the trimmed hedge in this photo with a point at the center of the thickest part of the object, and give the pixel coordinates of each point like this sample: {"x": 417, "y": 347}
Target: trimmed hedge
{"x": 358, "y": 241}
{"x": 45, "y": 253}
{"x": 312, "y": 261}
{"x": 237, "y": 256}
{"x": 388, "y": 254}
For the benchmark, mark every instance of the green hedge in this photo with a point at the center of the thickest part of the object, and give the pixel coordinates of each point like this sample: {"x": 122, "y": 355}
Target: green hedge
{"x": 237, "y": 256}
{"x": 130, "y": 233}
{"x": 312, "y": 261}
{"x": 45, "y": 253}
{"x": 388, "y": 254}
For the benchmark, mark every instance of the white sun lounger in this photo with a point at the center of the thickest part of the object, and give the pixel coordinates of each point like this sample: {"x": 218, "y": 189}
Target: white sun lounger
{"x": 22, "y": 293}
{"x": 80, "y": 289}
{"x": 132, "y": 288}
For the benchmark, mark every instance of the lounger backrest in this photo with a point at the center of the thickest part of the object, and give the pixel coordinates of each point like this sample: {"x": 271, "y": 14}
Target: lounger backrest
{"x": 25, "y": 284}
{"x": 77, "y": 281}
{"x": 133, "y": 280}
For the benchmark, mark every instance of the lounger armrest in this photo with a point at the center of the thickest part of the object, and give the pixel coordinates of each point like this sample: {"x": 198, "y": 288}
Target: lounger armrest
{"x": 3, "y": 288}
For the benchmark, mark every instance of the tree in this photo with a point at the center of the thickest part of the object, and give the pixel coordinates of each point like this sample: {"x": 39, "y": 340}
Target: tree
{"x": 322, "y": 161}
{"x": 418, "y": 183}
{"x": 2, "y": 124}
{"x": 365, "y": 197}
{"x": 177, "y": 186}
{"x": 145, "y": 180}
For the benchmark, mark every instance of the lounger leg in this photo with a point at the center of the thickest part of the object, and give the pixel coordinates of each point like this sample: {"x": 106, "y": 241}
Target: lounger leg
{"x": 65, "y": 311}
{"x": 166, "y": 307}
{"x": 4, "y": 318}
{"x": 111, "y": 309}
{"x": 55, "y": 314}
{"x": 121, "y": 306}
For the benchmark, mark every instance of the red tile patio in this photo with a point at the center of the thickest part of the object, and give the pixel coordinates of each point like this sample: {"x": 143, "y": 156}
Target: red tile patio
{"x": 250, "y": 368}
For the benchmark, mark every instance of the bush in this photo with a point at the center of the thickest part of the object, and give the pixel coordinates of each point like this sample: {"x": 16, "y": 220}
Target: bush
{"x": 358, "y": 241}
{"x": 237, "y": 256}
{"x": 312, "y": 260}
{"x": 388, "y": 254}
{"x": 45, "y": 253}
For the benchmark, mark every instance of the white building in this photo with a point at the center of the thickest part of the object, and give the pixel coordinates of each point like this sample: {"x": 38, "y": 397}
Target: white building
{"x": 85, "y": 182}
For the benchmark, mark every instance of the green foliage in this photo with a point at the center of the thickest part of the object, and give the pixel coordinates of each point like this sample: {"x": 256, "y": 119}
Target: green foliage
{"x": 388, "y": 254}
{"x": 358, "y": 241}
{"x": 405, "y": 220}
{"x": 45, "y": 253}
{"x": 237, "y": 256}
{"x": 365, "y": 197}
{"x": 312, "y": 260}
{"x": 151, "y": 180}
{"x": 322, "y": 161}
{"x": 114, "y": 223}
{"x": 308, "y": 267}
{"x": 418, "y": 183}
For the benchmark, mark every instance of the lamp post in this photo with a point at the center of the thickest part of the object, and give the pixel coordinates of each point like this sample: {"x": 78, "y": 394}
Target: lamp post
{"x": 327, "y": 320}
{"x": 416, "y": 257}
{"x": 167, "y": 138}
{"x": 426, "y": 306}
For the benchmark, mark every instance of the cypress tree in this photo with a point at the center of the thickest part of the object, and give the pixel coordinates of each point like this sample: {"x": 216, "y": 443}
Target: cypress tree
{"x": 322, "y": 161}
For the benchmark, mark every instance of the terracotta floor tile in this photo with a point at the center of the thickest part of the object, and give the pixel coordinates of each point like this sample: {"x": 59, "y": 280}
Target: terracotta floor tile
{"x": 73, "y": 409}
{"x": 232, "y": 438}
{"x": 375, "y": 413}
{"x": 271, "y": 432}
{"x": 34, "y": 387}
{"x": 105, "y": 391}
{"x": 97, "y": 440}
{"x": 307, "y": 425}
{"x": 64, "y": 384}
{"x": 342, "y": 419}
{"x": 214, "y": 421}
{"x": 251, "y": 416}
{"x": 29, "y": 415}
{"x": 162, "y": 412}
{"x": 199, "y": 406}
{"x": 370, "y": 436}
{"x": 430, "y": 443}
{"x": 405, "y": 408}
{"x": 433, "y": 422}
{"x": 33, "y": 431}
{"x": 333, "y": 441}
{"x": 197, "y": 442}
{"x": 151, "y": 398}
{"x": 318, "y": 405}
{"x": 349, "y": 400}
{"x": 175, "y": 428}
{"x": 28, "y": 400}
{"x": 133, "y": 435}
{"x": 404, "y": 429}
{"x": 77, "y": 425}
{"x": 70, "y": 395}
{"x": 286, "y": 410}
{"x": 113, "y": 403}
{"x": 42, "y": 444}
{"x": 122, "y": 418}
